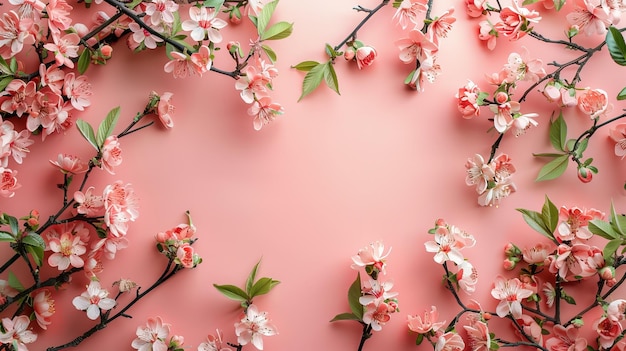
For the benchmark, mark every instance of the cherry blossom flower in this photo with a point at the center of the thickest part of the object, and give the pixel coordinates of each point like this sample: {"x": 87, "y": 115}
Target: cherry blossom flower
{"x": 591, "y": 16}
{"x": 180, "y": 65}
{"x": 70, "y": 164}
{"x": 365, "y": 56}
{"x": 43, "y": 306}
{"x": 185, "y": 256}
{"x": 202, "y": 60}
{"x": 617, "y": 133}
{"x": 572, "y": 262}
{"x": 616, "y": 309}
{"x": 214, "y": 343}
{"x": 65, "y": 48}
{"x": 376, "y": 292}
{"x": 58, "y": 15}
{"x": 521, "y": 123}
{"x": 18, "y": 96}
{"x": 593, "y": 102}
{"x": 161, "y": 11}
{"x": 165, "y": 109}
{"x": 441, "y": 25}
{"x": 574, "y": 223}
{"x": 416, "y": 46}
{"x": 510, "y": 293}
{"x": 487, "y": 32}
{"x": 142, "y": 35}
{"x": 78, "y": 90}
{"x": 16, "y": 330}
{"x": 531, "y": 328}
{"x": 520, "y": 67}
{"x": 52, "y": 77}
{"x": 47, "y": 111}
{"x": 120, "y": 203}
{"x": 109, "y": 246}
{"x": 253, "y": 327}
{"x": 515, "y": 21}
{"x": 94, "y": 300}
{"x": 608, "y": 330}
{"x": 152, "y": 336}
{"x": 14, "y": 34}
{"x": 478, "y": 333}
{"x": 408, "y": 12}
{"x": 467, "y": 97}
{"x": 475, "y": 8}
{"x": 537, "y": 254}
{"x": 264, "y": 111}
{"x": 377, "y": 315}
{"x": 89, "y": 204}
{"x": 8, "y": 182}
{"x": 479, "y": 173}
{"x": 111, "y": 154}
{"x": 501, "y": 185}
{"x": 371, "y": 255}
{"x": 426, "y": 324}
{"x": 504, "y": 114}
{"x": 467, "y": 277}
{"x": 566, "y": 339}
{"x": 13, "y": 143}
{"x": 450, "y": 341}
{"x": 204, "y": 23}
{"x": 67, "y": 250}
{"x": 445, "y": 246}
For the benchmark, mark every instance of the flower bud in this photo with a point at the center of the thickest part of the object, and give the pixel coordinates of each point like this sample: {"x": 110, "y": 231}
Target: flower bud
{"x": 234, "y": 18}
{"x": 501, "y": 97}
{"x": 552, "y": 93}
{"x": 584, "y": 174}
{"x": 365, "y": 56}
{"x": 509, "y": 264}
{"x": 125, "y": 285}
{"x": 106, "y": 51}
{"x": 578, "y": 323}
{"x": 349, "y": 54}
{"x": 607, "y": 273}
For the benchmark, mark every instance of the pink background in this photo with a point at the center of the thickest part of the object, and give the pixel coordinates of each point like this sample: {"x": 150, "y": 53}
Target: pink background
{"x": 379, "y": 162}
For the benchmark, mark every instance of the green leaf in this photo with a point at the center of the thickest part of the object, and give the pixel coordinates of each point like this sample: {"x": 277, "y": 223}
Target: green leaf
{"x": 232, "y": 292}
{"x": 6, "y": 236}
{"x": 37, "y": 254}
{"x": 558, "y": 4}
{"x": 13, "y": 64}
{"x": 4, "y": 82}
{"x": 581, "y": 147}
{"x": 331, "y": 77}
{"x": 553, "y": 169}
{"x": 217, "y": 4}
{"x": 280, "y": 30}
{"x": 252, "y": 277}
{"x": 536, "y": 221}
{"x": 550, "y": 215}
{"x": 331, "y": 52}
{"x": 84, "y": 60}
{"x": 481, "y": 97}
{"x": 615, "y": 221}
{"x": 269, "y": 52}
{"x": 312, "y": 80}
{"x": 106, "y": 127}
{"x": 622, "y": 94}
{"x": 569, "y": 144}
{"x": 548, "y": 154}
{"x": 420, "y": 338}
{"x": 529, "y": 2}
{"x": 15, "y": 228}
{"x": 87, "y": 132}
{"x": 345, "y": 317}
{"x": 14, "y": 282}
{"x": 34, "y": 239}
{"x": 354, "y": 293}
{"x": 558, "y": 133}
{"x": 616, "y": 45}
{"x": 265, "y": 16}
{"x": 305, "y": 66}
{"x": 603, "y": 229}
{"x": 261, "y": 287}
{"x": 610, "y": 249}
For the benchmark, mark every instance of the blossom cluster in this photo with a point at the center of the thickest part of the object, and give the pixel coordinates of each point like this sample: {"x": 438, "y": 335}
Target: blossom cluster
{"x": 492, "y": 179}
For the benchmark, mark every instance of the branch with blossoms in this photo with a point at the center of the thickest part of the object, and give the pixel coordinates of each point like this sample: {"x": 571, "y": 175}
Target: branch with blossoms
{"x": 516, "y": 22}
{"x": 532, "y": 301}
{"x": 371, "y": 303}
{"x": 418, "y": 49}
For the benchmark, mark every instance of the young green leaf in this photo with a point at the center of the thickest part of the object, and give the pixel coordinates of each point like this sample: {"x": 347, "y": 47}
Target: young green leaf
{"x": 265, "y": 16}
{"x": 305, "y": 66}
{"x": 106, "y": 127}
{"x": 217, "y": 4}
{"x": 280, "y": 30}
{"x": 536, "y": 221}
{"x": 84, "y": 60}
{"x": 553, "y": 169}
{"x": 550, "y": 215}
{"x": 611, "y": 248}
{"x": 345, "y": 317}
{"x": 622, "y": 94}
{"x": 529, "y": 2}
{"x": 558, "y": 4}
{"x": 35, "y": 245}
{"x": 260, "y": 287}
{"x": 269, "y": 52}
{"x": 6, "y": 237}
{"x": 547, "y": 154}
{"x": 616, "y": 46}
{"x": 87, "y": 132}
{"x": 14, "y": 282}
{"x": 252, "y": 277}
{"x": 37, "y": 254}
{"x": 603, "y": 229}
{"x": 312, "y": 80}
{"x": 331, "y": 77}
{"x": 13, "y": 224}
{"x": 4, "y": 82}
{"x": 354, "y": 293}
{"x": 232, "y": 292}
{"x": 558, "y": 133}
{"x": 615, "y": 221}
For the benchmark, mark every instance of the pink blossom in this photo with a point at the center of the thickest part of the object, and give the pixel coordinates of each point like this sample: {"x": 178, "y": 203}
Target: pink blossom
{"x": 65, "y": 48}
{"x": 18, "y": 96}
{"x": 617, "y": 133}
{"x": 78, "y": 90}
{"x": 377, "y": 315}
{"x": 161, "y": 11}
{"x": 47, "y": 111}
{"x": 521, "y": 123}
{"x": 253, "y": 326}
{"x": 264, "y": 111}
{"x": 516, "y": 21}
{"x": 475, "y": 8}
{"x": 478, "y": 333}
{"x": 574, "y": 223}
{"x": 52, "y": 77}
{"x": 467, "y": 97}
{"x": 120, "y": 203}
{"x": 501, "y": 185}
{"x": 214, "y": 343}
{"x": 593, "y": 102}
{"x": 58, "y": 15}
{"x": 16, "y": 331}
{"x": 67, "y": 243}
{"x": 572, "y": 262}
{"x": 467, "y": 277}
{"x": 616, "y": 309}
{"x": 376, "y": 292}
{"x": 608, "y": 330}
{"x": 70, "y": 164}
{"x": 43, "y": 306}
{"x": 591, "y": 16}
{"x": 426, "y": 324}
{"x": 415, "y": 47}
{"x": 180, "y": 65}
{"x": 566, "y": 339}
{"x": 110, "y": 245}
{"x": 89, "y": 204}
{"x": 536, "y": 254}
{"x": 504, "y": 114}
{"x": 204, "y": 23}
{"x": 14, "y": 34}
{"x": 202, "y": 60}
{"x": 408, "y": 12}
{"x": 165, "y": 109}
{"x": 521, "y": 67}
{"x": 448, "y": 243}
{"x": 365, "y": 56}
{"x": 153, "y": 336}
{"x": 487, "y": 32}
{"x": 371, "y": 255}
{"x": 450, "y": 341}
{"x": 185, "y": 256}
{"x": 441, "y": 25}
{"x": 8, "y": 182}
{"x": 179, "y": 234}
{"x": 13, "y": 143}
{"x": 142, "y": 35}
{"x": 111, "y": 154}
{"x": 531, "y": 328}
{"x": 510, "y": 293}
{"x": 93, "y": 300}
{"x": 479, "y": 173}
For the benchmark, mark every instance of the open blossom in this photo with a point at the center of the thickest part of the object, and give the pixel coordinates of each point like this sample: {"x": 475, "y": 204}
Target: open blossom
{"x": 448, "y": 243}
{"x": 416, "y": 46}
{"x": 510, "y": 293}
{"x": 8, "y": 182}
{"x": 43, "y": 306}
{"x": 520, "y": 67}
{"x": 467, "y": 97}
{"x": 450, "y": 341}
{"x": 616, "y": 309}
{"x": 531, "y": 328}
{"x": 203, "y": 23}
{"x": 516, "y": 21}
{"x": 479, "y": 173}
{"x": 141, "y": 35}
{"x": 264, "y": 111}
{"x": 13, "y": 143}
{"x": 67, "y": 250}
{"x": 617, "y": 133}
{"x": 365, "y": 56}
{"x": 202, "y": 60}
{"x": 573, "y": 262}
{"x": 408, "y": 12}
{"x": 574, "y": 223}
{"x": 161, "y": 11}
{"x": 165, "y": 109}
{"x": 89, "y": 204}
{"x": 487, "y": 32}
{"x": 47, "y": 111}
{"x": 608, "y": 330}
{"x": 467, "y": 277}
{"x": 566, "y": 339}
{"x": 111, "y": 154}
{"x": 536, "y": 254}
{"x": 376, "y": 292}
{"x": 493, "y": 180}
{"x": 58, "y": 15}
{"x": 376, "y": 315}
{"x": 121, "y": 207}
{"x": 427, "y": 323}
{"x": 14, "y": 34}
{"x": 93, "y": 300}
{"x": 253, "y": 327}
{"x": 152, "y": 336}
{"x": 255, "y": 80}
{"x": 70, "y": 164}
{"x": 214, "y": 343}
{"x": 478, "y": 333}
{"x": 16, "y": 330}
{"x": 591, "y": 16}
{"x": 371, "y": 255}
{"x": 475, "y": 8}
{"x": 18, "y": 96}
{"x": 78, "y": 90}
{"x": 593, "y": 102}
{"x": 65, "y": 48}
{"x": 180, "y": 65}
{"x": 441, "y": 25}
